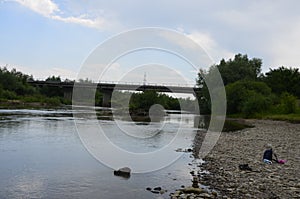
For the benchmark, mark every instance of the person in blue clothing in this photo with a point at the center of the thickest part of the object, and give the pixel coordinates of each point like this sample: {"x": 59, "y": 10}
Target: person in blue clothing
{"x": 268, "y": 155}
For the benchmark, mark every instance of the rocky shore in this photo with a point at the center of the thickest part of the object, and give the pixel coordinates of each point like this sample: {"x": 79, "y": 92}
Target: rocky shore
{"x": 246, "y": 147}
{"x": 225, "y": 179}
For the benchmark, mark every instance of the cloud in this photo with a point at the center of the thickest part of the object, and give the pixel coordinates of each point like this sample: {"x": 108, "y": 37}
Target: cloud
{"x": 284, "y": 46}
{"x": 212, "y": 48}
{"x": 98, "y": 22}
{"x": 43, "y": 7}
{"x": 266, "y": 30}
{"x": 209, "y": 45}
{"x": 49, "y": 9}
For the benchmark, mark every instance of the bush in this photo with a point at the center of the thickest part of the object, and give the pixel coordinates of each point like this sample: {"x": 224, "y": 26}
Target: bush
{"x": 54, "y": 101}
{"x": 10, "y": 95}
{"x": 256, "y": 103}
{"x": 287, "y": 104}
{"x": 248, "y": 97}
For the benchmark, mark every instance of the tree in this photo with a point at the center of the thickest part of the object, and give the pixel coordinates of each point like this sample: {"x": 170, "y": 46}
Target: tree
{"x": 286, "y": 105}
{"x": 15, "y": 83}
{"x": 283, "y": 79}
{"x": 50, "y": 91}
{"x": 239, "y": 68}
{"x": 203, "y": 97}
{"x": 53, "y": 79}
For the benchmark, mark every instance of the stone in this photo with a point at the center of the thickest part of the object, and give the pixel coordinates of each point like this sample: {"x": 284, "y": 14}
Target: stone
{"x": 123, "y": 172}
{"x": 195, "y": 182}
{"x": 192, "y": 190}
{"x": 157, "y": 188}
{"x": 156, "y": 192}
{"x": 214, "y": 193}
{"x": 205, "y": 195}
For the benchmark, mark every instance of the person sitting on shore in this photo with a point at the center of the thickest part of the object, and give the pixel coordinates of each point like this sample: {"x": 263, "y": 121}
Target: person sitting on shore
{"x": 268, "y": 155}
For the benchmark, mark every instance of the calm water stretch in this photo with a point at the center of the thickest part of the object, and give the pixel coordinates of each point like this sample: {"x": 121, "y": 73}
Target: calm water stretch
{"x": 42, "y": 156}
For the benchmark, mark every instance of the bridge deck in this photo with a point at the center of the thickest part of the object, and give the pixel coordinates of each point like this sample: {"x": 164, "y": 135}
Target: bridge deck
{"x": 114, "y": 86}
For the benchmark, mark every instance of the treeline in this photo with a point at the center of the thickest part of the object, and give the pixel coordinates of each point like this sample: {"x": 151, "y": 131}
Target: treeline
{"x": 251, "y": 93}
{"x": 15, "y": 90}
{"x": 142, "y": 101}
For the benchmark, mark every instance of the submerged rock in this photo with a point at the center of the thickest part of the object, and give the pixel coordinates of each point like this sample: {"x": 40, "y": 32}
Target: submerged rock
{"x": 157, "y": 188}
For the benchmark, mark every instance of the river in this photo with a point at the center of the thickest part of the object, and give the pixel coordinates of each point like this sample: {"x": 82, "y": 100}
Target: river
{"x": 42, "y": 156}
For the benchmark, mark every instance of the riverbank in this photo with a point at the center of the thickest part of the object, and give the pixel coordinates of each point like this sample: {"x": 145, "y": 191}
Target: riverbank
{"x": 246, "y": 147}
{"x": 35, "y": 104}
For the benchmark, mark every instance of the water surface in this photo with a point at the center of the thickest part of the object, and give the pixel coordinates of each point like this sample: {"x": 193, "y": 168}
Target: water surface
{"x": 41, "y": 156}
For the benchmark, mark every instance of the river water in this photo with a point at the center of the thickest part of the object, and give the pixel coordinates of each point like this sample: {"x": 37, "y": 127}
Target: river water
{"x": 42, "y": 156}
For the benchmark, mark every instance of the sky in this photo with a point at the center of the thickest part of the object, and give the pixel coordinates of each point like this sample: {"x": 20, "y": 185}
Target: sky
{"x": 56, "y": 37}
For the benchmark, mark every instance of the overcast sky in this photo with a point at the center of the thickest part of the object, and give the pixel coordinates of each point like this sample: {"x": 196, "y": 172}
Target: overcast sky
{"x": 54, "y": 37}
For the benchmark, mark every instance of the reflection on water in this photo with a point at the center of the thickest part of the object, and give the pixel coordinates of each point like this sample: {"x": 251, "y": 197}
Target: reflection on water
{"x": 42, "y": 156}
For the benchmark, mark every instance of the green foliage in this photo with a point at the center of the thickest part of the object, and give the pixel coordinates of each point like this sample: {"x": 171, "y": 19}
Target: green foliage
{"x": 14, "y": 86}
{"x": 203, "y": 97}
{"x": 294, "y": 118}
{"x": 98, "y": 98}
{"x": 283, "y": 80}
{"x": 51, "y": 91}
{"x": 10, "y": 95}
{"x": 256, "y": 103}
{"x": 234, "y": 125}
{"x": 241, "y": 67}
{"x": 286, "y": 105}
{"x": 144, "y": 100}
{"x": 186, "y": 104}
{"x": 54, "y": 101}
{"x": 14, "y": 83}
{"x": 53, "y": 79}
{"x": 248, "y": 97}
{"x": 250, "y": 93}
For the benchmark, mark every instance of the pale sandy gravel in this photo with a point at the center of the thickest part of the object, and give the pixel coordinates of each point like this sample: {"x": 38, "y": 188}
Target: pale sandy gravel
{"x": 247, "y": 147}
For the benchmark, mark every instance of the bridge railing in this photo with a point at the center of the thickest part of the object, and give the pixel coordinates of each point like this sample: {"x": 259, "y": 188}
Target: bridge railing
{"x": 148, "y": 84}
{"x": 127, "y": 83}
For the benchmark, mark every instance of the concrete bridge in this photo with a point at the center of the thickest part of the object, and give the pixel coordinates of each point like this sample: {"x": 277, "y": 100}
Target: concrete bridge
{"x": 107, "y": 88}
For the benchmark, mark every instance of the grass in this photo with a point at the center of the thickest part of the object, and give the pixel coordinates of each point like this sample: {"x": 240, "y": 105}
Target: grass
{"x": 293, "y": 118}
{"x": 235, "y": 125}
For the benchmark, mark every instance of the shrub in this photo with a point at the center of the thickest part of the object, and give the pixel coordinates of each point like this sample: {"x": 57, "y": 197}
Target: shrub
{"x": 248, "y": 97}
{"x": 255, "y": 103}
{"x": 287, "y": 104}
{"x": 54, "y": 101}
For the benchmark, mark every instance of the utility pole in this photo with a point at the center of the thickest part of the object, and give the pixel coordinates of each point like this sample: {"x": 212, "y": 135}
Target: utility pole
{"x": 145, "y": 79}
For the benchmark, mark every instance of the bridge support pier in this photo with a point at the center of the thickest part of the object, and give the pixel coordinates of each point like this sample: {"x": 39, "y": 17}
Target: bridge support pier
{"x": 68, "y": 94}
{"x": 106, "y": 100}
